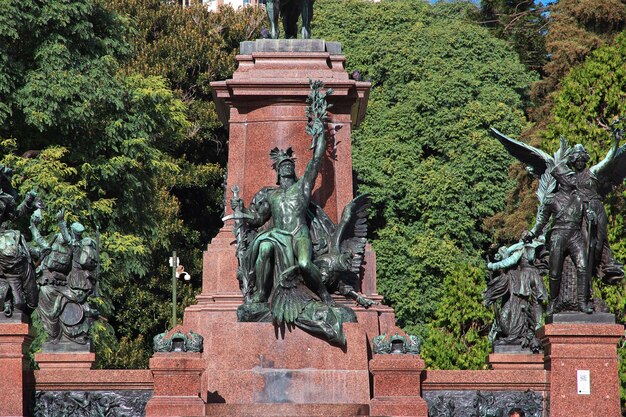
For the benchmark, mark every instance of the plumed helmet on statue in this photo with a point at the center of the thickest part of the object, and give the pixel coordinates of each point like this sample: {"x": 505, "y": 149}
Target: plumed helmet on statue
{"x": 77, "y": 227}
{"x": 578, "y": 152}
{"x": 278, "y": 156}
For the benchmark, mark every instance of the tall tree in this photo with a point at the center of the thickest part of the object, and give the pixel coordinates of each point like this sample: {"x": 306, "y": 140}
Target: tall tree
{"x": 575, "y": 29}
{"x": 521, "y": 22}
{"x": 115, "y": 148}
{"x": 423, "y": 153}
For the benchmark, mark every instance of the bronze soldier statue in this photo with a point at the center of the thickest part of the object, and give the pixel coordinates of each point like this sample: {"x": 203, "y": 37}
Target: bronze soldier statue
{"x": 18, "y": 289}
{"x": 571, "y": 195}
{"x": 66, "y": 279}
{"x": 565, "y": 207}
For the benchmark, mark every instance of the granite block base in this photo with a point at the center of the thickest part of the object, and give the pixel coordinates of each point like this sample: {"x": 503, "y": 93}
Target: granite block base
{"x": 282, "y": 410}
{"x": 516, "y": 361}
{"x": 177, "y": 385}
{"x": 65, "y": 360}
{"x": 289, "y": 45}
{"x": 592, "y": 350}
{"x": 250, "y": 363}
{"x": 175, "y": 407}
{"x": 397, "y": 386}
{"x": 399, "y": 406}
{"x": 16, "y": 381}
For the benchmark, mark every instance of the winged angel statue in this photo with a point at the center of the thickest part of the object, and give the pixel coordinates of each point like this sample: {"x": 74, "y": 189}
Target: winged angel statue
{"x": 291, "y": 254}
{"x": 572, "y": 216}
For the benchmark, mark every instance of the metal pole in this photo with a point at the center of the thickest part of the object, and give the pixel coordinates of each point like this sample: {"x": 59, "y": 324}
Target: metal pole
{"x": 174, "y": 266}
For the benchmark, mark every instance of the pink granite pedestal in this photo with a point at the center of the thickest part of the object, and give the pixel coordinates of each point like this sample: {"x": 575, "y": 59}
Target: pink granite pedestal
{"x": 397, "y": 386}
{"x": 256, "y": 368}
{"x": 66, "y": 360}
{"x": 516, "y": 361}
{"x": 177, "y": 385}
{"x": 253, "y": 363}
{"x": 263, "y": 106}
{"x": 16, "y": 381}
{"x": 572, "y": 347}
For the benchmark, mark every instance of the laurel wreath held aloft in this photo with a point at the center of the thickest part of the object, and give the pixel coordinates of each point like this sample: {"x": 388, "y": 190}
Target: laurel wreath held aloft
{"x": 317, "y": 110}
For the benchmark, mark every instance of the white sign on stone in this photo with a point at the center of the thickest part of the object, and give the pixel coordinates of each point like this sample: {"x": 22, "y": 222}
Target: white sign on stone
{"x": 584, "y": 382}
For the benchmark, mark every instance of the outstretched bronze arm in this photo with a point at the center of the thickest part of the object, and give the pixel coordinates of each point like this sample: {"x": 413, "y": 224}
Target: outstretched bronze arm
{"x": 313, "y": 167}
{"x": 317, "y": 112}
{"x": 40, "y": 240}
{"x": 543, "y": 216}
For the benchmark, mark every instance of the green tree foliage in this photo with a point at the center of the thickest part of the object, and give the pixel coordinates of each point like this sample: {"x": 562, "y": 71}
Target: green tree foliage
{"x": 455, "y": 337}
{"x": 424, "y": 155}
{"x": 575, "y": 29}
{"x": 116, "y": 149}
{"x": 191, "y": 47}
{"x": 521, "y": 22}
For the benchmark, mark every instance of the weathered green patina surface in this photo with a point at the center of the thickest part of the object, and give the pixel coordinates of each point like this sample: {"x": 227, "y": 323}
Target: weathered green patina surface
{"x": 288, "y": 270}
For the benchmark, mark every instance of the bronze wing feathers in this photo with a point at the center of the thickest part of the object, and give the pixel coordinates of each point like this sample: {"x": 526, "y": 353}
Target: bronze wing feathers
{"x": 351, "y": 233}
{"x": 321, "y": 228}
{"x": 611, "y": 171}
{"x": 535, "y": 158}
{"x": 290, "y": 297}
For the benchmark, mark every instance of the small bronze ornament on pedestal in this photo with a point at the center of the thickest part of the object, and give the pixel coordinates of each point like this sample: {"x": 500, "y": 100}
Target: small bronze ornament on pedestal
{"x": 397, "y": 344}
{"x": 178, "y": 342}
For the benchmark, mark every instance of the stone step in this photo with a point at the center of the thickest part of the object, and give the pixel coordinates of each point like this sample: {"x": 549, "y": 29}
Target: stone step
{"x": 287, "y": 409}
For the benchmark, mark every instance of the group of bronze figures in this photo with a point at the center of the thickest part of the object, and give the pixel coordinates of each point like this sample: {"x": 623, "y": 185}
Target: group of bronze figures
{"x": 568, "y": 242}
{"x": 292, "y": 256}
{"x": 55, "y": 275}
